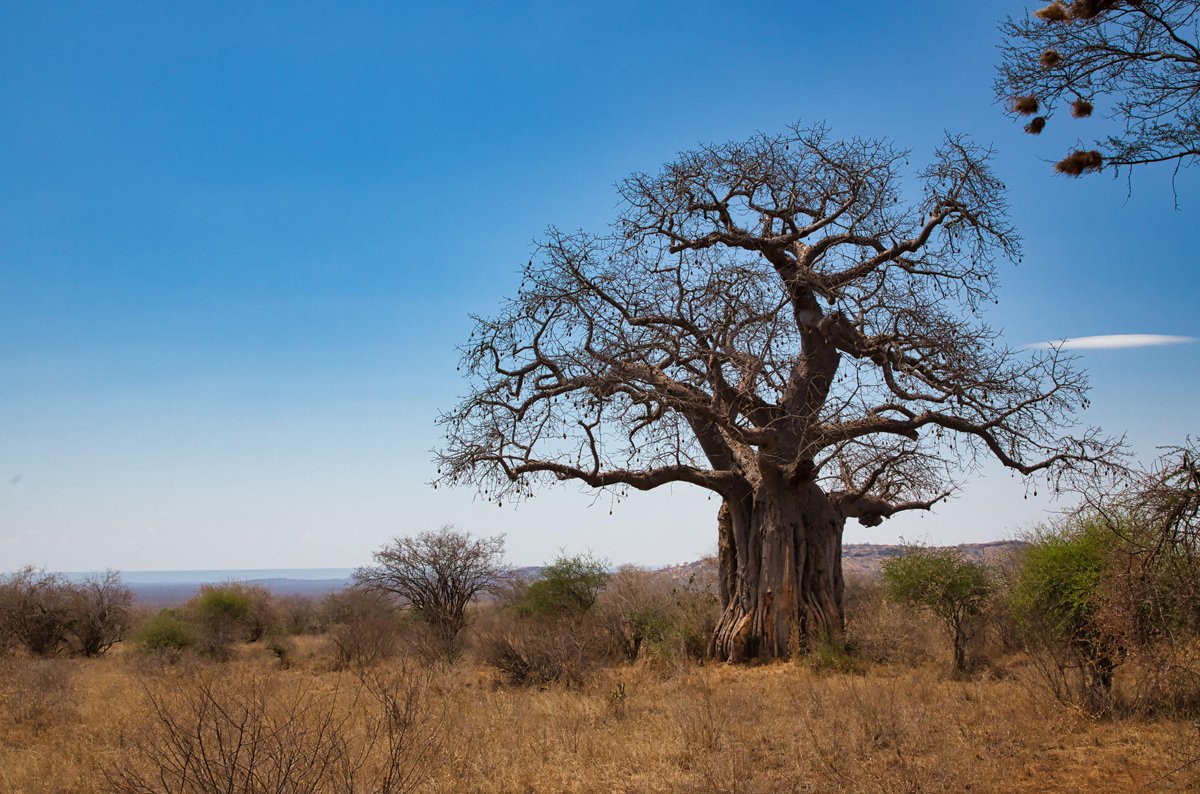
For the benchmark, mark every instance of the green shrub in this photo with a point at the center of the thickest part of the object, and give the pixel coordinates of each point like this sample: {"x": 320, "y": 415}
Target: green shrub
{"x": 228, "y": 613}
{"x": 221, "y": 603}
{"x": 166, "y": 633}
{"x": 1059, "y": 579}
{"x": 943, "y": 581}
{"x": 550, "y": 633}
{"x": 569, "y": 585}
{"x": 1058, "y": 601}
{"x": 364, "y": 627}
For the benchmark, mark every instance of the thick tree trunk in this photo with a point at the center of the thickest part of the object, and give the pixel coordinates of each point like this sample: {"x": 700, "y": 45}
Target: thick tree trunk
{"x": 780, "y": 572}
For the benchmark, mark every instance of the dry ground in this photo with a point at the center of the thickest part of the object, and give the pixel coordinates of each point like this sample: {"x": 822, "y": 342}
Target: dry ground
{"x": 782, "y": 727}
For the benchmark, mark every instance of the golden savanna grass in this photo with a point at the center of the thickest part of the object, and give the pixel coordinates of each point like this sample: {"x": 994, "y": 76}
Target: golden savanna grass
{"x": 648, "y": 727}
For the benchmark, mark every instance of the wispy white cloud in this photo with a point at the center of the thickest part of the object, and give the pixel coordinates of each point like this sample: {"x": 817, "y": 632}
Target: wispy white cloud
{"x": 1114, "y": 342}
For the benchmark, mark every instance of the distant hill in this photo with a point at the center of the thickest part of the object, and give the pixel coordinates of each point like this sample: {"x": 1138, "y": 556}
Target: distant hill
{"x": 867, "y": 558}
{"x": 863, "y": 559}
{"x": 168, "y": 594}
{"x": 170, "y": 588}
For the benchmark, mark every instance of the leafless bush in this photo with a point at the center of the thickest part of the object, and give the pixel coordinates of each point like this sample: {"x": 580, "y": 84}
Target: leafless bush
{"x": 420, "y": 640}
{"x": 438, "y": 574}
{"x": 364, "y": 627}
{"x": 1161, "y": 679}
{"x": 100, "y": 612}
{"x": 650, "y": 614}
{"x": 550, "y": 649}
{"x": 47, "y": 614}
{"x": 232, "y": 735}
{"x": 299, "y": 614}
{"x": 634, "y": 609}
{"x": 36, "y": 692}
{"x": 698, "y": 717}
{"x": 1153, "y": 589}
{"x": 403, "y": 730}
{"x": 1148, "y": 613}
{"x": 34, "y": 611}
{"x": 881, "y": 630}
{"x": 247, "y": 733}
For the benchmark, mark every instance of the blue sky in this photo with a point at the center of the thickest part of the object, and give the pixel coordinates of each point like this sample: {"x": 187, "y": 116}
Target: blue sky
{"x": 238, "y": 243}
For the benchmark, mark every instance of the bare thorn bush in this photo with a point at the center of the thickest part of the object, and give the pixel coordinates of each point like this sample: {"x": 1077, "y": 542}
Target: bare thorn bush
{"x": 364, "y": 628}
{"x": 882, "y": 631}
{"x": 246, "y": 732}
{"x": 36, "y": 693}
{"x": 552, "y": 649}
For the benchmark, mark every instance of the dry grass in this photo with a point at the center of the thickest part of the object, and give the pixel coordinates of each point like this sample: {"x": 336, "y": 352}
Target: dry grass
{"x": 782, "y": 727}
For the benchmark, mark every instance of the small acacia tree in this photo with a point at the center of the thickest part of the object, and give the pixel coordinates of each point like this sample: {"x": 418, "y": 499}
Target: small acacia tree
{"x": 949, "y": 585}
{"x": 1141, "y": 57}
{"x": 438, "y": 574}
{"x": 782, "y": 322}
{"x": 569, "y": 585}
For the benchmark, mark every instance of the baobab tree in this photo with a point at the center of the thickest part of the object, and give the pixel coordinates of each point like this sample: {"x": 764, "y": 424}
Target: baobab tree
{"x": 778, "y": 322}
{"x": 1138, "y": 60}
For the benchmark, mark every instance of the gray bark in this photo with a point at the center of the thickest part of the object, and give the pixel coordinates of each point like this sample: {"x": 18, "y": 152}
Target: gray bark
{"x": 781, "y": 573}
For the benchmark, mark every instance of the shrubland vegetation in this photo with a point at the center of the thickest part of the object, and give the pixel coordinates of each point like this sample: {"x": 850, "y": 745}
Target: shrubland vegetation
{"x": 45, "y": 614}
{"x": 785, "y": 322}
{"x": 954, "y": 589}
{"x": 437, "y": 574}
{"x": 752, "y": 271}
{"x": 1073, "y": 664}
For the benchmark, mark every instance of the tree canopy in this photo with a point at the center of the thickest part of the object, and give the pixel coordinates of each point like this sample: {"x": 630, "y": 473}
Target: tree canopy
{"x": 776, "y": 296}
{"x": 786, "y": 322}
